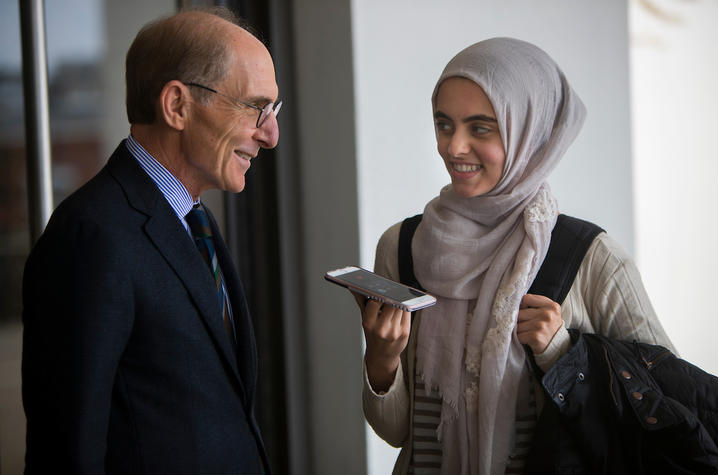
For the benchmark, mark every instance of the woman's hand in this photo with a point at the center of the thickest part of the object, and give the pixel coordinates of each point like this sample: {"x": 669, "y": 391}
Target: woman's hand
{"x": 539, "y": 320}
{"x": 386, "y": 329}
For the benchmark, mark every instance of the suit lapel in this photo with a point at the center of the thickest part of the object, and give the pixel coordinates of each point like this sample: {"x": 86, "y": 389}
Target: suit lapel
{"x": 172, "y": 241}
{"x": 244, "y": 331}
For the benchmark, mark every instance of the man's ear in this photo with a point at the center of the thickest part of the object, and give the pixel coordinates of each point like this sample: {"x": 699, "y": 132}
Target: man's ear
{"x": 174, "y": 104}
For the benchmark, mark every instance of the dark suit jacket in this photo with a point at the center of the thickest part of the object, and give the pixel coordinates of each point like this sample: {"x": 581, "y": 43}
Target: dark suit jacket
{"x": 127, "y": 367}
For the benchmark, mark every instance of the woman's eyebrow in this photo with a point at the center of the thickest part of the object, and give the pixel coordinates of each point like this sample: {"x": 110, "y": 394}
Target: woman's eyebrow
{"x": 472, "y": 118}
{"x": 482, "y": 117}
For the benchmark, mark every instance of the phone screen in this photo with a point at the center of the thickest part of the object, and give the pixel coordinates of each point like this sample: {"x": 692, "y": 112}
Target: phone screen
{"x": 380, "y": 285}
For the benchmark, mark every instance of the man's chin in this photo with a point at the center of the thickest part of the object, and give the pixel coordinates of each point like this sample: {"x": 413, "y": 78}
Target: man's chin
{"x": 235, "y": 187}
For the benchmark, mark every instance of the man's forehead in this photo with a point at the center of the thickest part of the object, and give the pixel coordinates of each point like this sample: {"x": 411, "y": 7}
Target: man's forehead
{"x": 252, "y": 74}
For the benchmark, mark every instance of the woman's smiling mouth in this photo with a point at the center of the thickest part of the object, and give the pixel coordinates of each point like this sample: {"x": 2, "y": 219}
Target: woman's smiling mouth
{"x": 465, "y": 167}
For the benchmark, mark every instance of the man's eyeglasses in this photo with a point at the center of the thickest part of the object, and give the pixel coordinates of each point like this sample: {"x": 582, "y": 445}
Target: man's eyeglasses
{"x": 263, "y": 111}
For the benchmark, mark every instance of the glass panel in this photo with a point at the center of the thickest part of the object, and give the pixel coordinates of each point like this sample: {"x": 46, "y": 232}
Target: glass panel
{"x": 14, "y": 238}
{"x": 86, "y": 79}
{"x": 14, "y": 234}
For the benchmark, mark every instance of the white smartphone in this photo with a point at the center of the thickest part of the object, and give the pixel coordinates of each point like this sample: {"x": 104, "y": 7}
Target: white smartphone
{"x": 380, "y": 288}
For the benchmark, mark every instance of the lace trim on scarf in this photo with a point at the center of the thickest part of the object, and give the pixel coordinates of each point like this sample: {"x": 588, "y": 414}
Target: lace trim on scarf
{"x": 541, "y": 209}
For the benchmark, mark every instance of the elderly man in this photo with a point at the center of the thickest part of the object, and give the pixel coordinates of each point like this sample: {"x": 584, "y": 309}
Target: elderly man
{"x": 139, "y": 354}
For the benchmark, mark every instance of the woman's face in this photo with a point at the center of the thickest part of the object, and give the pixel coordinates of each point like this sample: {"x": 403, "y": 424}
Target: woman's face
{"x": 467, "y": 137}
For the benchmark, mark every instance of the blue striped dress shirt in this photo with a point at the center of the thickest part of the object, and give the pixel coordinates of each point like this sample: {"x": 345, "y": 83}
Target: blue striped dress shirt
{"x": 171, "y": 188}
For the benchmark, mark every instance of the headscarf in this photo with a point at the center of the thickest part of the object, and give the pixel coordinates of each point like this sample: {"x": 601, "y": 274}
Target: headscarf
{"x": 487, "y": 250}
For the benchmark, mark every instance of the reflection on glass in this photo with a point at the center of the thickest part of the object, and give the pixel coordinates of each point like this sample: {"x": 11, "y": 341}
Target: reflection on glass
{"x": 74, "y": 47}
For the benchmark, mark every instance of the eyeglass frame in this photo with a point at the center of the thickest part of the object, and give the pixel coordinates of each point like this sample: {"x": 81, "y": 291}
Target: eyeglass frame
{"x": 264, "y": 112}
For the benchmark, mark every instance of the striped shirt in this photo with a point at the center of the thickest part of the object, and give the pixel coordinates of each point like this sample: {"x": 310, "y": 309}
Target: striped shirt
{"x": 427, "y": 451}
{"x": 526, "y": 418}
{"x": 426, "y": 455}
{"x": 171, "y": 188}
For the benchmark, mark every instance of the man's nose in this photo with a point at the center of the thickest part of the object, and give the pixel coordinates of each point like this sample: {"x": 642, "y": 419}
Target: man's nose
{"x": 268, "y": 133}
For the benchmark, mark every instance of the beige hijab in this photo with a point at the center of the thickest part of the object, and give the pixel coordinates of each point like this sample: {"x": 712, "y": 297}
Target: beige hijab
{"x": 487, "y": 250}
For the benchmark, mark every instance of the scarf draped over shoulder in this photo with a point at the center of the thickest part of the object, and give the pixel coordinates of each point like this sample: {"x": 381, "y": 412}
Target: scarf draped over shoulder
{"x": 479, "y": 255}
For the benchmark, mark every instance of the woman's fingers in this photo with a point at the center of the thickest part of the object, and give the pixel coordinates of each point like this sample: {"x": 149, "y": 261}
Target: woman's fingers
{"x": 536, "y": 301}
{"x": 539, "y": 319}
{"x": 369, "y": 308}
{"x": 373, "y": 308}
{"x": 384, "y": 324}
{"x": 382, "y": 319}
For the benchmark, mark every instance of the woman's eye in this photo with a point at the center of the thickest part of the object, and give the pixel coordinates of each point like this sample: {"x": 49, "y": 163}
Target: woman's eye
{"x": 442, "y": 126}
{"x": 479, "y": 129}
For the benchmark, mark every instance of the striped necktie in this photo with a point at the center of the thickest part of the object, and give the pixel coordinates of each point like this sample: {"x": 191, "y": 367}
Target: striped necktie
{"x": 202, "y": 234}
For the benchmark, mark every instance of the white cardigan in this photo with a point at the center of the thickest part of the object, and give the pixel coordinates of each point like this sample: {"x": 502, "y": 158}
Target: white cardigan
{"x": 607, "y": 297}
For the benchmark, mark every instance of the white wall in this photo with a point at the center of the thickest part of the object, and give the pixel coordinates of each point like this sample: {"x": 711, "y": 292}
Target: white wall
{"x": 674, "y": 99}
{"x": 400, "y": 48}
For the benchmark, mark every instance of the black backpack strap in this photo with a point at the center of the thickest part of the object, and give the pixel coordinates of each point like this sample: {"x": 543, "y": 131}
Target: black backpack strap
{"x": 570, "y": 239}
{"x": 406, "y": 261}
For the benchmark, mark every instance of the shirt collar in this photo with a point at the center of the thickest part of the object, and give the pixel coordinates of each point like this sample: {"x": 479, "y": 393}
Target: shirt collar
{"x": 171, "y": 188}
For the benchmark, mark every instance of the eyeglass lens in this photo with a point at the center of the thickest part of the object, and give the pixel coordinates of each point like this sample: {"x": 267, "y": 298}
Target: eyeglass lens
{"x": 268, "y": 109}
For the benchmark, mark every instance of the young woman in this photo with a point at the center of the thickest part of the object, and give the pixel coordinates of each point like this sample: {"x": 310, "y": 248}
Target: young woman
{"x": 453, "y": 387}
